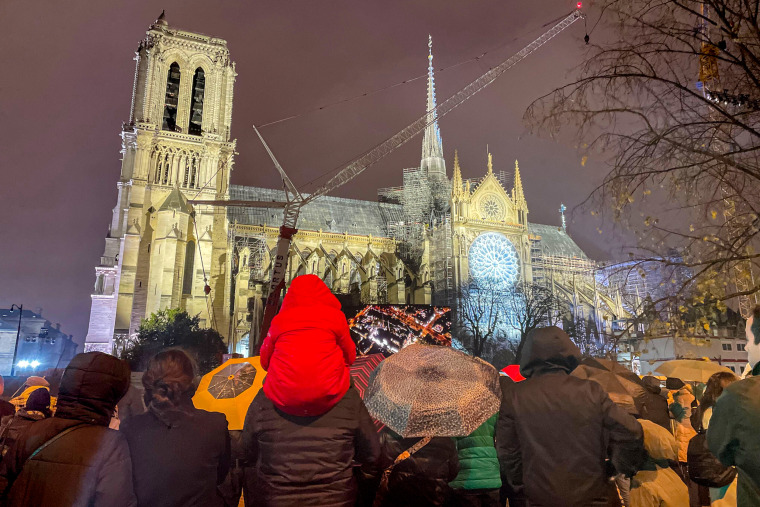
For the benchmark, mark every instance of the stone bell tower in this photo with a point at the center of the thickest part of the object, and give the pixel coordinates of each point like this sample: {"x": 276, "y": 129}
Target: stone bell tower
{"x": 161, "y": 251}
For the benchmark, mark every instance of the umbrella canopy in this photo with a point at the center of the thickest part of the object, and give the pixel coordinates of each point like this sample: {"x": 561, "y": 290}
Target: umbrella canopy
{"x": 690, "y": 370}
{"x": 614, "y": 385}
{"x": 360, "y": 373}
{"x": 230, "y": 389}
{"x": 513, "y": 371}
{"x": 629, "y": 380}
{"x": 362, "y": 369}
{"x": 428, "y": 390}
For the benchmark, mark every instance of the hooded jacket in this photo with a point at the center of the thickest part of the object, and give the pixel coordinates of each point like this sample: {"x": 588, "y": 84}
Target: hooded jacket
{"x": 89, "y": 466}
{"x": 555, "y": 431}
{"x": 656, "y": 484}
{"x": 733, "y": 434}
{"x": 308, "y": 350}
{"x": 681, "y": 410}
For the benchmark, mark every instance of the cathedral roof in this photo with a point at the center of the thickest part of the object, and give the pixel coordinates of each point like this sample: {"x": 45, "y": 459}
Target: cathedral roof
{"x": 330, "y": 214}
{"x": 175, "y": 201}
{"x": 556, "y": 242}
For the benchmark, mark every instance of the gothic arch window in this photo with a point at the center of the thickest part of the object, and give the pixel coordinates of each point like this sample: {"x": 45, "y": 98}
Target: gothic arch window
{"x": 172, "y": 98}
{"x": 194, "y": 172}
{"x": 187, "y": 279}
{"x": 196, "y": 102}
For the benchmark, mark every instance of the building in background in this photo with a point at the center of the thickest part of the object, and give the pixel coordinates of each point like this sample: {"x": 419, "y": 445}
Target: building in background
{"x": 417, "y": 244}
{"x": 41, "y": 345}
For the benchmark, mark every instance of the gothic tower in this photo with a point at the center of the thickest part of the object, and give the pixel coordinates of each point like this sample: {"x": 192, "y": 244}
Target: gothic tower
{"x": 432, "y": 163}
{"x": 161, "y": 251}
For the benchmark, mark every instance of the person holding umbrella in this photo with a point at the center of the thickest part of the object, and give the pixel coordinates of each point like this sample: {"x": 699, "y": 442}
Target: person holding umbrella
{"x": 425, "y": 395}
{"x": 555, "y": 431}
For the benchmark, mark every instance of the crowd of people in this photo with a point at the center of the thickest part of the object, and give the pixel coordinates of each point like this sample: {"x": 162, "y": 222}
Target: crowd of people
{"x": 308, "y": 439}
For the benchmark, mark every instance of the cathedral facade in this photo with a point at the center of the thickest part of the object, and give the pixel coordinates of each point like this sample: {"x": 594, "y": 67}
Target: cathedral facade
{"x": 417, "y": 244}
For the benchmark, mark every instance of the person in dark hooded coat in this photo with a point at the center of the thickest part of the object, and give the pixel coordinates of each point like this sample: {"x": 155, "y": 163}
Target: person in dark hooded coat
{"x": 555, "y": 431}
{"x": 87, "y": 466}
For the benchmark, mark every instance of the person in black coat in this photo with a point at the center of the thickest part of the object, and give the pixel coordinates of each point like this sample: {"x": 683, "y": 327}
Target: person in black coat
{"x": 83, "y": 463}
{"x": 179, "y": 454}
{"x": 422, "y": 480}
{"x": 308, "y": 460}
{"x": 555, "y": 430}
{"x": 655, "y": 406}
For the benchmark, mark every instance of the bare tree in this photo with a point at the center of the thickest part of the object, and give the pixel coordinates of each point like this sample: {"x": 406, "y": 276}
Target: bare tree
{"x": 531, "y": 306}
{"x": 482, "y": 315}
{"x": 671, "y": 96}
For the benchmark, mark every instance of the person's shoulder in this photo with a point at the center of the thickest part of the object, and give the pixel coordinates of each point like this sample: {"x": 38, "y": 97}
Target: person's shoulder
{"x": 212, "y": 419}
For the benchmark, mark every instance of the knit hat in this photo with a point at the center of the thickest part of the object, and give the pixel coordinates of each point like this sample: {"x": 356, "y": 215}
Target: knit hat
{"x": 39, "y": 400}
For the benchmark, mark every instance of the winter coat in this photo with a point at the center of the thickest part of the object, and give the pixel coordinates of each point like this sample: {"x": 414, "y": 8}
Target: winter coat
{"x": 13, "y": 425}
{"x": 478, "y": 462}
{"x": 88, "y": 467}
{"x": 555, "y": 430}
{"x": 656, "y": 484}
{"x": 308, "y": 460}
{"x": 180, "y": 461}
{"x": 655, "y": 407}
{"x": 308, "y": 350}
{"x": 421, "y": 480}
{"x": 681, "y": 410}
{"x": 734, "y": 434}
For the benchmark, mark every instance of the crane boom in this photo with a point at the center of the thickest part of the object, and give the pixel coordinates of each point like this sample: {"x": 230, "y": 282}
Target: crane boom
{"x": 418, "y": 126}
{"x": 295, "y": 200}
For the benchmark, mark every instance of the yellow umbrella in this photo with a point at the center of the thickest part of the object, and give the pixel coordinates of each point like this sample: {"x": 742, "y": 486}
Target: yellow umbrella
{"x": 690, "y": 370}
{"x": 230, "y": 389}
{"x": 20, "y": 401}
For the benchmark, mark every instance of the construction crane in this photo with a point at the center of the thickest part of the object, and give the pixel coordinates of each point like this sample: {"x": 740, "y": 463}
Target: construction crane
{"x": 710, "y": 86}
{"x": 294, "y": 200}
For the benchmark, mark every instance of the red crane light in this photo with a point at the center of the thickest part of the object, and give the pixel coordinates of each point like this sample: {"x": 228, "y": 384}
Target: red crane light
{"x": 579, "y": 5}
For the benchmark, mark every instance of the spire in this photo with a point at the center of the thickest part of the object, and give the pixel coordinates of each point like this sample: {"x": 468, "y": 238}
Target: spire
{"x": 562, "y": 209}
{"x": 456, "y": 184}
{"x": 432, "y": 146}
{"x": 160, "y": 21}
{"x": 517, "y": 191}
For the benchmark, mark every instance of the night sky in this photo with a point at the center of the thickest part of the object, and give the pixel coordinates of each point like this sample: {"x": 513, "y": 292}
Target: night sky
{"x": 67, "y": 84}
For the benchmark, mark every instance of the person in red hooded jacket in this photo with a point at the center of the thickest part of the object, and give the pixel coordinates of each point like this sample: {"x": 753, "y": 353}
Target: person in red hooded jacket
{"x": 308, "y": 350}
{"x": 307, "y": 428}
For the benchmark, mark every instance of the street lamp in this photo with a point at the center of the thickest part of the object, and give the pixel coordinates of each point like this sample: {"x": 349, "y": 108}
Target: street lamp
{"x": 18, "y": 334}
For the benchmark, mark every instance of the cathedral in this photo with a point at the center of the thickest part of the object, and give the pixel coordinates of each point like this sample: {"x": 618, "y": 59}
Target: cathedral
{"x": 416, "y": 244}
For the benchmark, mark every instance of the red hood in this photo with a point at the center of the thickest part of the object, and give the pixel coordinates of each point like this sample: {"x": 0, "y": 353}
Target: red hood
{"x": 309, "y": 290}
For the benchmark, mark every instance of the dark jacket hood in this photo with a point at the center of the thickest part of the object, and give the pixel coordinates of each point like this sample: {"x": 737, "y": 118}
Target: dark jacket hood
{"x": 546, "y": 349}
{"x": 91, "y": 386}
{"x": 309, "y": 290}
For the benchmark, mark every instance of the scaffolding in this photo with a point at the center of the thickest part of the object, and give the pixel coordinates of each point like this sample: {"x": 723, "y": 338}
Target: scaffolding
{"x": 248, "y": 250}
{"x": 442, "y": 257}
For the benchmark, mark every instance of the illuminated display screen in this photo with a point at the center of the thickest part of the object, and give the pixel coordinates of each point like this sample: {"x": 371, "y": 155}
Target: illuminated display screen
{"x": 386, "y": 329}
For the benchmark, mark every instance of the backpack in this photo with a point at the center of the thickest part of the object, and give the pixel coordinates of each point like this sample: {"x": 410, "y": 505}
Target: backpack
{"x": 704, "y": 468}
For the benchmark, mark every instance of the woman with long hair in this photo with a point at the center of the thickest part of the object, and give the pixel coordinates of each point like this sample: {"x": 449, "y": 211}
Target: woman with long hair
{"x": 173, "y": 443}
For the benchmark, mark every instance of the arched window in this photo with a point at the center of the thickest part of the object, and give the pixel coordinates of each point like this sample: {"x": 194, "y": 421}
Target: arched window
{"x": 193, "y": 173}
{"x": 172, "y": 98}
{"x": 196, "y": 103}
{"x": 187, "y": 279}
